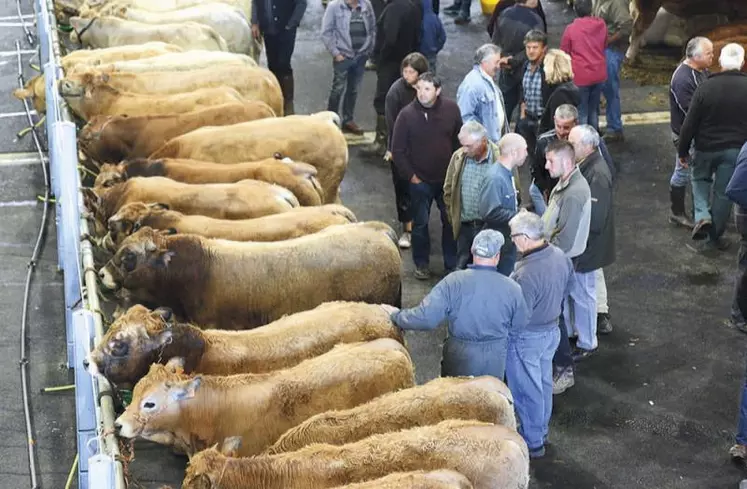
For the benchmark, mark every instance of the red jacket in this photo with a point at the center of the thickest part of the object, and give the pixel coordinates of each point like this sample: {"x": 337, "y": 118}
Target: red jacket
{"x": 584, "y": 40}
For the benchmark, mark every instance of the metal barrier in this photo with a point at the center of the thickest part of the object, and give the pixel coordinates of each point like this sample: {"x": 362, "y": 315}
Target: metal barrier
{"x": 98, "y": 449}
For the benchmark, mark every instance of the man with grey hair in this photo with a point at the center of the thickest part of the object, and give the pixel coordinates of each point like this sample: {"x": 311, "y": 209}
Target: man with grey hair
{"x": 478, "y": 96}
{"x": 481, "y": 307}
{"x": 685, "y": 80}
{"x": 465, "y": 175}
{"x": 589, "y": 317}
{"x": 544, "y": 274}
{"x": 716, "y": 120}
{"x": 567, "y": 220}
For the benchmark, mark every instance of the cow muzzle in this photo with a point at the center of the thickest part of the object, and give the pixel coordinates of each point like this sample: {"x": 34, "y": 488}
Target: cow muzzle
{"x": 107, "y": 279}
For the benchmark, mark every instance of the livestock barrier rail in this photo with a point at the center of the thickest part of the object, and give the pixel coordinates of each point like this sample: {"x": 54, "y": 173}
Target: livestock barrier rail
{"x": 99, "y": 461}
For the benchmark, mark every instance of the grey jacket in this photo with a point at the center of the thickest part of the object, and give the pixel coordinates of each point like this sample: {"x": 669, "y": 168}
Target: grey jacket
{"x": 568, "y": 214}
{"x": 600, "y": 248}
{"x": 336, "y": 29}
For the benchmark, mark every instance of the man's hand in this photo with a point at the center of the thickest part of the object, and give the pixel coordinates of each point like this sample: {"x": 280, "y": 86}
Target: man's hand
{"x": 339, "y": 58}
{"x": 388, "y": 156}
{"x": 389, "y": 309}
{"x": 415, "y": 180}
{"x": 255, "y": 31}
{"x": 523, "y": 112}
{"x": 685, "y": 161}
{"x": 504, "y": 61}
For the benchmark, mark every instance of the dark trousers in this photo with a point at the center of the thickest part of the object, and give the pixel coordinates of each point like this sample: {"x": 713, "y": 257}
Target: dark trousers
{"x": 347, "y": 77}
{"x": 279, "y": 50}
{"x": 387, "y": 72}
{"x": 422, "y": 196}
{"x": 467, "y": 233}
{"x": 740, "y": 220}
{"x": 527, "y": 128}
{"x": 563, "y": 358}
{"x": 401, "y": 195}
{"x": 511, "y": 93}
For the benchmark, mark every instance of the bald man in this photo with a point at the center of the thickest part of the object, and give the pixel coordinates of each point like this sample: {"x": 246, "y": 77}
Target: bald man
{"x": 498, "y": 201}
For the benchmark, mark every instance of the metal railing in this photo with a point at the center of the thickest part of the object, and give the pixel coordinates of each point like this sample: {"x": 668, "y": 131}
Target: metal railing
{"x": 99, "y": 464}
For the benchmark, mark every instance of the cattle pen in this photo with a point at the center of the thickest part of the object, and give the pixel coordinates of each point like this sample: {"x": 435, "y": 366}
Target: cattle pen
{"x": 98, "y": 461}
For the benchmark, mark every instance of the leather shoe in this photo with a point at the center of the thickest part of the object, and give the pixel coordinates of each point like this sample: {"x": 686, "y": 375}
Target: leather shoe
{"x": 352, "y": 128}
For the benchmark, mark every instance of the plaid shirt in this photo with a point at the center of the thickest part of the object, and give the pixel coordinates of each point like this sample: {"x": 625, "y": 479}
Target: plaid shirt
{"x": 473, "y": 179}
{"x": 532, "y": 84}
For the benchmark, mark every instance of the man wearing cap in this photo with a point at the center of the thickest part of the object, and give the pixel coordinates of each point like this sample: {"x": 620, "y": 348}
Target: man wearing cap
{"x": 544, "y": 274}
{"x": 480, "y": 305}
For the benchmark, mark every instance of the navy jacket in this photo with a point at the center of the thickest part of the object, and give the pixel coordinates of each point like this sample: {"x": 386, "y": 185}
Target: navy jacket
{"x": 737, "y": 188}
{"x": 276, "y": 16}
{"x": 432, "y": 33}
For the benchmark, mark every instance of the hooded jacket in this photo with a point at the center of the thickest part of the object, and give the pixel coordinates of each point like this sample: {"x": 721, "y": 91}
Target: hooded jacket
{"x": 432, "y": 33}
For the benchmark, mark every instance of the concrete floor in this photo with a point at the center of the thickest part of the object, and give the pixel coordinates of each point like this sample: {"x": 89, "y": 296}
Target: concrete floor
{"x": 655, "y": 408}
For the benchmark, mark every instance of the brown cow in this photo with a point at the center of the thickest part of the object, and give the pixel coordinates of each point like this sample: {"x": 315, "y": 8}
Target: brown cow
{"x": 436, "y": 479}
{"x": 482, "y": 399}
{"x": 275, "y": 227}
{"x": 141, "y": 337}
{"x": 490, "y": 456}
{"x": 87, "y": 101}
{"x": 251, "y": 82}
{"x": 299, "y": 178}
{"x": 235, "y": 285}
{"x": 113, "y": 138}
{"x": 240, "y": 200}
{"x": 644, "y": 13}
{"x": 192, "y": 413}
{"x": 315, "y": 139}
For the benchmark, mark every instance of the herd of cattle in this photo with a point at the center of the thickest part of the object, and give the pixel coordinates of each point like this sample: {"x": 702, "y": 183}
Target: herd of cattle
{"x": 249, "y": 322}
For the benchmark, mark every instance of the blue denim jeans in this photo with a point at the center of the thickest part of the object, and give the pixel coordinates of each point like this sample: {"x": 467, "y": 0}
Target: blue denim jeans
{"x": 465, "y": 6}
{"x": 563, "y": 358}
{"x": 680, "y": 175}
{"x": 740, "y": 219}
{"x": 348, "y": 74}
{"x": 713, "y": 170}
{"x": 540, "y": 206}
{"x": 432, "y": 63}
{"x": 588, "y": 108}
{"x": 422, "y": 196}
{"x": 580, "y": 309}
{"x": 612, "y": 89}
{"x": 742, "y": 424}
{"x": 529, "y": 376}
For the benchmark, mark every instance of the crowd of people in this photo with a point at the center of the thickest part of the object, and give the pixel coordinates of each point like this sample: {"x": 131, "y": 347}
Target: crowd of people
{"x": 523, "y": 290}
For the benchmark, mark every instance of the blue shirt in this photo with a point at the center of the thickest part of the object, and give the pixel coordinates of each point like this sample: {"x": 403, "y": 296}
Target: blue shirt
{"x": 479, "y": 304}
{"x": 498, "y": 202}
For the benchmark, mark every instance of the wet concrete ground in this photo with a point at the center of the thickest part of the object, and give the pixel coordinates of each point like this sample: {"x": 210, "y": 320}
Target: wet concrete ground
{"x": 655, "y": 408}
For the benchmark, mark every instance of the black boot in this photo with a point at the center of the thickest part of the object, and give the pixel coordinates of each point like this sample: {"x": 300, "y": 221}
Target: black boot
{"x": 677, "y": 213}
{"x": 286, "y": 86}
{"x": 378, "y": 147}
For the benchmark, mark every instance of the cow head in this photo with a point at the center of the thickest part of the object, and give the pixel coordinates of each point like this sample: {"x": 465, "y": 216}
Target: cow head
{"x": 156, "y": 403}
{"x": 134, "y": 264}
{"x": 110, "y": 175}
{"x": 206, "y": 468}
{"x": 131, "y": 344}
{"x": 129, "y": 219}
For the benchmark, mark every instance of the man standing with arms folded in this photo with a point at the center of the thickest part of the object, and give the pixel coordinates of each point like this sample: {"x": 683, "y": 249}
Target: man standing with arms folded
{"x": 567, "y": 221}
{"x": 716, "y": 120}
{"x": 349, "y": 34}
{"x": 685, "y": 80}
{"x": 425, "y": 136}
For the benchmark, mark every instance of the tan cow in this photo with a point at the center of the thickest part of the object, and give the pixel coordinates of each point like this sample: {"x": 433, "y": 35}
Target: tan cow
{"x": 87, "y": 101}
{"x": 113, "y": 138}
{"x": 141, "y": 337}
{"x": 478, "y": 398}
{"x": 241, "y": 200}
{"x": 192, "y": 413}
{"x": 437, "y": 479}
{"x": 193, "y": 59}
{"x": 252, "y": 82}
{"x": 490, "y": 456}
{"x": 276, "y": 227}
{"x": 315, "y": 139}
{"x": 299, "y": 178}
{"x": 238, "y": 285}
{"x": 228, "y": 21}
{"x": 106, "y": 32}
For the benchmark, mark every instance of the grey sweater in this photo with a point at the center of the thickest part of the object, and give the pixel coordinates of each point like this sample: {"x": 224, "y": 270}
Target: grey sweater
{"x": 568, "y": 214}
{"x": 544, "y": 276}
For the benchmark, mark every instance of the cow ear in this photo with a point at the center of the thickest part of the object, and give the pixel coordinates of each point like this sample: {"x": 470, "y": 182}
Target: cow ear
{"x": 230, "y": 447}
{"x": 186, "y": 390}
{"x": 160, "y": 206}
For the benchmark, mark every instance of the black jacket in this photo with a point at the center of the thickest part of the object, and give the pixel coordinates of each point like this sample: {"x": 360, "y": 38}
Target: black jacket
{"x": 600, "y": 248}
{"x": 554, "y": 96}
{"x": 503, "y": 5}
{"x": 275, "y": 16}
{"x": 513, "y": 24}
{"x": 398, "y": 31}
{"x": 717, "y": 117}
{"x": 399, "y": 95}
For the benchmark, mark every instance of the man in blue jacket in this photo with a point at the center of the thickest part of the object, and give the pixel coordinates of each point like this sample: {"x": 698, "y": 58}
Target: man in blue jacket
{"x": 736, "y": 191}
{"x": 277, "y": 21}
{"x": 481, "y": 307}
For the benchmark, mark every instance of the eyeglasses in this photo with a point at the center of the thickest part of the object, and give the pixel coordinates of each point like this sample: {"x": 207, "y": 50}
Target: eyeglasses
{"x": 517, "y": 235}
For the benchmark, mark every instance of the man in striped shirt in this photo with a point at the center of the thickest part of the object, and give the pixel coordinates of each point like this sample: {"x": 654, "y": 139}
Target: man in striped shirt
{"x": 685, "y": 79}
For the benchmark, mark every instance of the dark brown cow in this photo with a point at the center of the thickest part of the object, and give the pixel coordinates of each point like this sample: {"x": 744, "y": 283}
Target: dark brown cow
{"x": 240, "y": 285}
{"x": 113, "y": 138}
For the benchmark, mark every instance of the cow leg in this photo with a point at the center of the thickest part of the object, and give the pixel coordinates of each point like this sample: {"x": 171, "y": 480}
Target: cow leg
{"x": 641, "y": 22}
